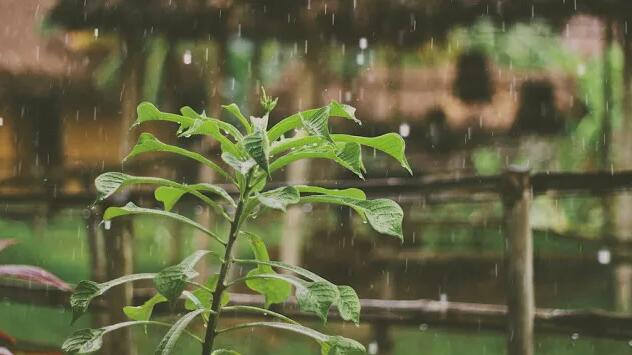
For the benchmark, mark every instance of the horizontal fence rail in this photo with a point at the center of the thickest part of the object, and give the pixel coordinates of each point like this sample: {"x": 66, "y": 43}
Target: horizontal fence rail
{"x": 419, "y": 312}
{"x": 439, "y": 189}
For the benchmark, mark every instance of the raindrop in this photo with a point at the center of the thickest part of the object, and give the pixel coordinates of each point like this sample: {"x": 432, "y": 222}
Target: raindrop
{"x": 404, "y": 129}
{"x": 187, "y": 57}
{"x": 373, "y": 348}
{"x": 199, "y": 210}
{"x": 1, "y": 121}
{"x": 96, "y": 33}
{"x": 360, "y": 59}
{"x": 423, "y": 327}
{"x": 603, "y": 256}
{"x": 107, "y": 225}
{"x": 581, "y": 69}
{"x": 363, "y": 43}
{"x": 574, "y": 336}
{"x": 630, "y": 343}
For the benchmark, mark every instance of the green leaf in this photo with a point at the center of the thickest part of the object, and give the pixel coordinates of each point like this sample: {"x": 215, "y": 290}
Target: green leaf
{"x": 109, "y": 183}
{"x": 205, "y": 297}
{"x": 295, "y": 269}
{"x": 317, "y": 124}
{"x": 257, "y": 147}
{"x": 205, "y": 127}
{"x": 223, "y": 126}
{"x": 351, "y": 192}
{"x": 260, "y": 123}
{"x": 330, "y": 345}
{"x": 214, "y": 189}
{"x": 90, "y": 340}
{"x": 317, "y": 297}
{"x": 168, "y": 196}
{"x": 298, "y": 141}
{"x": 144, "y": 311}
{"x": 267, "y": 102}
{"x": 173, "y": 334}
{"x": 273, "y": 290}
{"x": 242, "y": 166}
{"x": 210, "y": 127}
{"x": 337, "y": 345}
{"x": 279, "y": 198}
{"x": 87, "y": 290}
{"x": 84, "y": 341}
{"x": 299, "y": 329}
{"x": 131, "y": 209}
{"x": 347, "y": 155}
{"x": 391, "y": 143}
{"x": 235, "y": 111}
{"x": 344, "y": 111}
{"x": 148, "y": 112}
{"x": 385, "y": 216}
{"x": 172, "y": 280}
{"x": 147, "y": 143}
{"x": 348, "y": 304}
{"x": 294, "y": 121}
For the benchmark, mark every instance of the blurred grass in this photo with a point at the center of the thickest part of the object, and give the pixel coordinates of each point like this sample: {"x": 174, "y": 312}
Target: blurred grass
{"x": 53, "y": 326}
{"x": 60, "y": 243}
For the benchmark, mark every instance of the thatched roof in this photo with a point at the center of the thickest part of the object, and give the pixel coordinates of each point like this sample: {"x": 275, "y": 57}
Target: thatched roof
{"x": 404, "y": 22}
{"x": 27, "y": 53}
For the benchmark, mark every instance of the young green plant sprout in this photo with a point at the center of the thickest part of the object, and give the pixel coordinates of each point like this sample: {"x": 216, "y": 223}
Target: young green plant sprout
{"x": 251, "y": 155}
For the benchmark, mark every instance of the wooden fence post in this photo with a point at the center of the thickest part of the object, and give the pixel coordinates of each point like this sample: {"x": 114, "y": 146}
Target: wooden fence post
{"x": 118, "y": 235}
{"x": 516, "y": 196}
{"x": 95, "y": 245}
{"x": 119, "y": 255}
{"x": 291, "y": 247}
{"x": 98, "y": 270}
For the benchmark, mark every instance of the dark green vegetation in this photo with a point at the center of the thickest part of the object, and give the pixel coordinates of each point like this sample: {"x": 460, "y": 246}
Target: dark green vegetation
{"x": 253, "y": 153}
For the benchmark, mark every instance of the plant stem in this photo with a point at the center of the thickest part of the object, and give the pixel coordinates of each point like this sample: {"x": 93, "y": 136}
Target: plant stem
{"x": 209, "y": 338}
